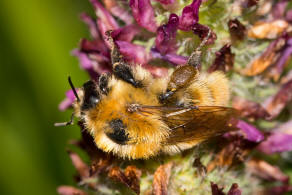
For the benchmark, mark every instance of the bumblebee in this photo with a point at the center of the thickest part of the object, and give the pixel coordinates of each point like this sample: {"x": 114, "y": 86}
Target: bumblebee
{"x": 136, "y": 116}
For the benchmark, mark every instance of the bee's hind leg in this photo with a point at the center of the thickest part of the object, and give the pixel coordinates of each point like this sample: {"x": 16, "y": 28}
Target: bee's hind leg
{"x": 121, "y": 69}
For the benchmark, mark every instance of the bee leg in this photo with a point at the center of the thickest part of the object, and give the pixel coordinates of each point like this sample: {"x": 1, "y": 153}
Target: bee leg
{"x": 165, "y": 96}
{"x": 121, "y": 69}
{"x": 195, "y": 58}
{"x": 115, "y": 52}
{"x": 180, "y": 79}
{"x": 124, "y": 72}
{"x": 103, "y": 83}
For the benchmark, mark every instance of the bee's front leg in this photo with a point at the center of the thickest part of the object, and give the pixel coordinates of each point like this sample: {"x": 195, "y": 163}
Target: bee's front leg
{"x": 121, "y": 69}
{"x": 124, "y": 72}
{"x": 103, "y": 83}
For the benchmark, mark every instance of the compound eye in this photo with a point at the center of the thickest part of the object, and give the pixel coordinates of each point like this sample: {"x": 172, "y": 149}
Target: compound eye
{"x": 91, "y": 96}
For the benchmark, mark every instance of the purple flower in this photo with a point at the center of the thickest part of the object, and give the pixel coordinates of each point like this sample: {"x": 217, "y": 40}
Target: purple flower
{"x": 250, "y": 109}
{"x": 276, "y": 142}
{"x": 279, "y": 190}
{"x": 280, "y": 140}
{"x": 172, "y": 58}
{"x": 118, "y": 11}
{"x": 144, "y": 14}
{"x": 236, "y": 29}
{"x": 68, "y": 101}
{"x": 216, "y": 190}
{"x": 289, "y": 15}
{"x": 166, "y": 2}
{"x": 91, "y": 25}
{"x": 234, "y": 190}
{"x": 282, "y": 10}
{"x": 266, "y": 171}
{"x": 251, "y": 132}
{"x": 279, "y": 8}
{"x": 166, "y": 36}
{"x": 202, "y": 31}
{"x": 87, "y": 64}
{"x": 69, "y": 190}
{"x": 126, "y": 33}
{"x": 283, "y": 59}
{"x": 133, "y": 53}
{"x": 275, "y": 104}
{"x": 190, "y": 15}
{"x": 224, "y": 59}
{"x": 104, "y": 16}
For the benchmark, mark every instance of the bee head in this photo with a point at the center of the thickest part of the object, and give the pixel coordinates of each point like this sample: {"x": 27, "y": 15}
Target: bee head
{"x": 87, "y": 98}
{"x": 91, "y": 96}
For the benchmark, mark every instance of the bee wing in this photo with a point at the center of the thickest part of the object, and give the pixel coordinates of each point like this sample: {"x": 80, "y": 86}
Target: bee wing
{"x": 195, "y": 123}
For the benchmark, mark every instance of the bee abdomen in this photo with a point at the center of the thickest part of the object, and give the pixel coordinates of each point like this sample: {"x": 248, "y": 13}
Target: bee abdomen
{"x": 118, "y": 132}
{"x": 218, "y": 85}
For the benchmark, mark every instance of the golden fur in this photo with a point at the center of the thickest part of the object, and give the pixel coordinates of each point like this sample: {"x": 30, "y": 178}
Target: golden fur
{"x": 147, "y": 132}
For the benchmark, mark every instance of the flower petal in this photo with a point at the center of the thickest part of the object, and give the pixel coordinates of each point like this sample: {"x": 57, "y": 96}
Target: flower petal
{"x": 282, "y": 62}
{"x": 190, "y": 15}
{"x": 224, "y": 60}
{"x": 279, "y": 9}
{"x": 172, "y": 58}
{"x": 69, "y": 190}
{"x": 156, "y": 71}
{"x": 87, "y": 64}
{"x": 266, "y": 171}
{"x": 284, "y": 128}
{"x": 138, "y": 55}
{"x": 276, "y": 142}
{"x": 118, "y": 11}
{"x": 104, "y": 15}
{"x": 161, "y": 179}
{"x": 133, "y": 53}
{"x": 68, "y": 101}
{"x": 266, "y": 59}
{"x": 249, "y": 3}
{"x": 125, "y": 33}
{"x": 251, "y": 133}
{"x": 249, "y": 109}
{"x": 278, "y": 190}
{"x": 216, "y": 190}
{"x": 166, "y": 2}
{"x": 236, "y": 29}
{"x": 267, "y": 30}
{"x": 81, "y": 167}
{"x": 130, "y": 177}
{"x": 202, "y": 31}
{"x": 234, "y": 190}
{"x": 144, "y": 14}
{"x": 274, "y": 105}
{"x": 166, "y": 34}
{"x": 289, "y": 15}
{"x": 91, "y": 24}
{"x": 95, "y": 46}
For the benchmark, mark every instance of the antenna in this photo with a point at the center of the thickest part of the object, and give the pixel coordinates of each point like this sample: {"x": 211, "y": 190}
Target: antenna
{"x": 73, "y": 88}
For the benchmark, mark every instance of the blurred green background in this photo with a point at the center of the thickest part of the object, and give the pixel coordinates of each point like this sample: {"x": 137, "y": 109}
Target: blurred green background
{"x": 36, "y": 39}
